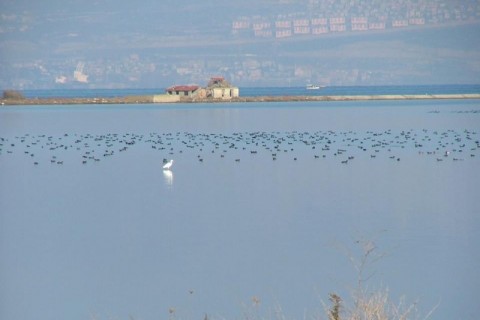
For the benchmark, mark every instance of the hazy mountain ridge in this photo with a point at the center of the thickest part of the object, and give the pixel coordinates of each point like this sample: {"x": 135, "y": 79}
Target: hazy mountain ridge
{"x": 125, "y": 44}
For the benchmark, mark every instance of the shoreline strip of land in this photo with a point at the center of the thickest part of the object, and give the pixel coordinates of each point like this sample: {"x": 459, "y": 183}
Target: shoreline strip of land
{"x": 156, "y": 100}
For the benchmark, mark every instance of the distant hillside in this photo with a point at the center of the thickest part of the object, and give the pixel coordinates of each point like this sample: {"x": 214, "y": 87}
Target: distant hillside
{"x": 125, "y": 44}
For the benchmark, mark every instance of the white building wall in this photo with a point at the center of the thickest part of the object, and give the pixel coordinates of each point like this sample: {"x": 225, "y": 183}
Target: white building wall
{"x": 225, "y": 93}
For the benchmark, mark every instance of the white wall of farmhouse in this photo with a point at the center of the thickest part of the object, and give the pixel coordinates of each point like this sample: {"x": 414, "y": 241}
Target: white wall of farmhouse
{"x": 225, "y": 93}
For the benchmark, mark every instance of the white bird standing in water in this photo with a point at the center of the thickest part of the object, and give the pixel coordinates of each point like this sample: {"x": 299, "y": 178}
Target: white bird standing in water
{"x": 168, "y": 165}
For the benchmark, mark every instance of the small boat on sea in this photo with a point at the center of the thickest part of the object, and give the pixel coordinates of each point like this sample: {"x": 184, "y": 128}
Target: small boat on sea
{"x": 312, "y": 87}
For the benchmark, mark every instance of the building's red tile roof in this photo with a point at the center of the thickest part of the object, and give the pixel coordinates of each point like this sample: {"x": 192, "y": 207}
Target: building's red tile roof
{"x": 183, "y": 88}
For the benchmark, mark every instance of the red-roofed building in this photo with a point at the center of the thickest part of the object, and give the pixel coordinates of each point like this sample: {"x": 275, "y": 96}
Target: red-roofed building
{"x": 217, "y": 81}
{"x": 217, "y": 88}
{"x": 183, "y": 90}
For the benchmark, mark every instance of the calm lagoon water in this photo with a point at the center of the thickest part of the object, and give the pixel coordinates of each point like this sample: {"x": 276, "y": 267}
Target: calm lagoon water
{"x": 118, "y": 236}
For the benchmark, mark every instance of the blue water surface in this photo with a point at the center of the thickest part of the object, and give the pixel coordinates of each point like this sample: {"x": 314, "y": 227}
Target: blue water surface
{"x": 263, "y": 211}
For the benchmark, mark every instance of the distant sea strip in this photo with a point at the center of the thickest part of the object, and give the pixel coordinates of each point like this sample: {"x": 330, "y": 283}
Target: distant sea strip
{"x": 269, "y": 91}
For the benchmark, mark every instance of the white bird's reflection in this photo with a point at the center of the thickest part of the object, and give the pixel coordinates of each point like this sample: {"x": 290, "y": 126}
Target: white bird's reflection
{"x": 168, "y": 175}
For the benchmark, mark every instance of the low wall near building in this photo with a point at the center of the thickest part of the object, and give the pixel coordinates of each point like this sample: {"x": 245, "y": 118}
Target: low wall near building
{"x": 165, "y": 98}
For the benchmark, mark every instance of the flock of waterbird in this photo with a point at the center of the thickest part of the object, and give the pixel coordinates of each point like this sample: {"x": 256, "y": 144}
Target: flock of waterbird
{"x": 343, "y": 146}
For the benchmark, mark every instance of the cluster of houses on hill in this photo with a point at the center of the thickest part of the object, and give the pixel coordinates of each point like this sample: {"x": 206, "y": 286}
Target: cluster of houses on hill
{"x": 217, "y": 88}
